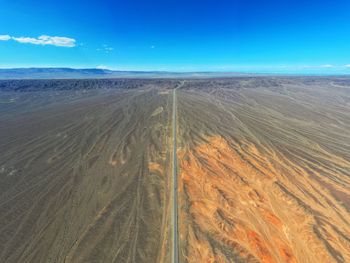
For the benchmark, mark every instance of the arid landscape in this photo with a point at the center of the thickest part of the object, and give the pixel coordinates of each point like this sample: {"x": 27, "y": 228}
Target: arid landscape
{"x": 263, "y": 170}
{"x": 83, "y": 171}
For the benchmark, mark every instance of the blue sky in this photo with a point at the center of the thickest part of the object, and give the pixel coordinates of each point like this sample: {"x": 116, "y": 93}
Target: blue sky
{"x": 252, "y": 36}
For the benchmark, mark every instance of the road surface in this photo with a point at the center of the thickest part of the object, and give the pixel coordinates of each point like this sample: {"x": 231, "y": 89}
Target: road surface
{"x": 175, "y": 255}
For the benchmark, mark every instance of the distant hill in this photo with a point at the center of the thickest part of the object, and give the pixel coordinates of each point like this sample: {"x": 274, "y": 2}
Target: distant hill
{"x": 71, "y": 73}
{"x": 59, "y": 73}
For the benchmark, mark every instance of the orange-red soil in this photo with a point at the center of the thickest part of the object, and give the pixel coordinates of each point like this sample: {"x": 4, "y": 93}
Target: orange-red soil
{"x": 239, "y": 205}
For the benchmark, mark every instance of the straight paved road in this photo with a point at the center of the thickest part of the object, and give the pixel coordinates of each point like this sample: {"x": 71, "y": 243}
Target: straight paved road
{"x": 175, "y": 255}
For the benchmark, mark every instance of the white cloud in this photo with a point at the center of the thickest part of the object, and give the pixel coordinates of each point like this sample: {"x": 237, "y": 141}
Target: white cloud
{"x": 314, "y": 67}
{"x": 4, "y": 37}
{"x": 47, "y": 40}
{"x": 102, "y": 67}
{"x": 347, "y": 65}
{"x": 327, "y": 66}
{"x": 42, "y": 40}
{"x": 105, "y": 48}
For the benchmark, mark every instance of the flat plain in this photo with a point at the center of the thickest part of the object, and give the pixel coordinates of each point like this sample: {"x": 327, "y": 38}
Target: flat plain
{"x": 263, "y": 170}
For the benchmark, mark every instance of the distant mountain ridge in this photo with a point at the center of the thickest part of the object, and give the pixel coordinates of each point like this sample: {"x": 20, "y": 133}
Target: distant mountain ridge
{"x": 43, "y": 73}
{"x": 72, "y": 73}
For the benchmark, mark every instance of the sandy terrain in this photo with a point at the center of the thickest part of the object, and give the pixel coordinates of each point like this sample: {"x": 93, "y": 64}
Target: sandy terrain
{"x": 265, "y": 171}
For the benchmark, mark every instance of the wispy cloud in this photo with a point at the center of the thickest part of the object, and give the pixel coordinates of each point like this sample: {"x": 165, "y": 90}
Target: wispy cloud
{"x": 324, "y": 66}
{"x": 105, "y": 48}
{"x": 327, "y": 66}
{"x": 42, "y": 40}
{"x": 102, "y": 67}
{"x": 347, "y": 65}
{"x": 47, "y": 40}
{"x": 4, "y": 37}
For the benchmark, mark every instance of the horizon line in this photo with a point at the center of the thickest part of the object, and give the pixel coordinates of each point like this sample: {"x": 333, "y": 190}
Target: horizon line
{"x": 303, "y": 71}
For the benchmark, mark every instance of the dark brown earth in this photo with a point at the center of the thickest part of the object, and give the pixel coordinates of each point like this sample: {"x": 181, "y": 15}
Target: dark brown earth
{"x": 82, "y": 175}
